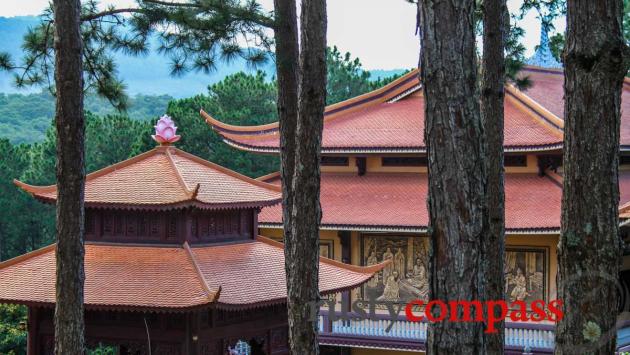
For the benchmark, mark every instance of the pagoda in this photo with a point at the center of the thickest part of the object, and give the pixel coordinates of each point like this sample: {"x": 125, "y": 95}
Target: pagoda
{"x": 173, "y": 260}
{"x": 374, "y": 188}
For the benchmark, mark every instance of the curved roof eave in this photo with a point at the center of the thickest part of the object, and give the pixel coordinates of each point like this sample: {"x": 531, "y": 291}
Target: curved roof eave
{"x": 391, "y": 91}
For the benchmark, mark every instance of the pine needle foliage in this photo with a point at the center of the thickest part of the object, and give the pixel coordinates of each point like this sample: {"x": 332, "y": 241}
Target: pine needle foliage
{"x": 194, "y": 35}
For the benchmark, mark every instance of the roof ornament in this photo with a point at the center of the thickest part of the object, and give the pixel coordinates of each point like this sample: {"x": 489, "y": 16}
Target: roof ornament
{"x": 165, "y": 131}
{"x": 543, "y": 57}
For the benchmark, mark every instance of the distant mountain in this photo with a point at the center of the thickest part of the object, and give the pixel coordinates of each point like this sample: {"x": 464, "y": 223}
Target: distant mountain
{"x": 148, "y": 75}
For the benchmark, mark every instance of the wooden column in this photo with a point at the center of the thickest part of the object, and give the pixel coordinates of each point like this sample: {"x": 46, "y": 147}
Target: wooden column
{"x": 33, "y": 331}
{"x": 346, "y": 254}
{"x": 188, "y": 226}
{"x": 255, "y": 222}
{"x": 361, "y": 163}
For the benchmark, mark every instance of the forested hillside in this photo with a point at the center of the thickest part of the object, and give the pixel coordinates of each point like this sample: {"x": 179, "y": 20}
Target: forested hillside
{"x": 24, "y": 118}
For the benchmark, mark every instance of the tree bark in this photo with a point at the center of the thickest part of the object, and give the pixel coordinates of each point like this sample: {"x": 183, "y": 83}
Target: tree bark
{"x": 495, "y": 27}
{"x": 302, "y": 242}
{"x": 69, "y": 122}
{"x": 287, "y": 55}
{"x": 457, "y": 174}
{"x": 589, "y": 252}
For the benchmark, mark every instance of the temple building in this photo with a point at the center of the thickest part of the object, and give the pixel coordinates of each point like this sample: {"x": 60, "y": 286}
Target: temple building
{"x": 173, "y": 261}
{"x": 373, "y": 196}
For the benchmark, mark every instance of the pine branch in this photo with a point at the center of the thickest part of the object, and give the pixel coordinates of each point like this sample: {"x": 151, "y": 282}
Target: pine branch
{"x": 111, "y": 12}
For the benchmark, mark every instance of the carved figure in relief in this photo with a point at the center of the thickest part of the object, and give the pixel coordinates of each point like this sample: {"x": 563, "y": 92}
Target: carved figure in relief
{"x": 373, "y": 260}
{"x": 399, "y": 262}
{"x": 519, "y": 292}
{"x": 418, "y": 279}
{"x": 392, "y": 289}
{"x": 388, "y": 255}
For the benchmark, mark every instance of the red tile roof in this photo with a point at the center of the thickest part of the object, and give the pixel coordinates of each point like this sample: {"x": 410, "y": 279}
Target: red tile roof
{"x": 172, "y": 277}
{"x": 115, "y": 276}
{"x": 399, "y": 126}
{"x": 398, "y": 201}
{"x": 166, "y": 176}
{"x": 390, "y": 120}
{"x": 256, "y": 272}
{"x": 548, "y": 91}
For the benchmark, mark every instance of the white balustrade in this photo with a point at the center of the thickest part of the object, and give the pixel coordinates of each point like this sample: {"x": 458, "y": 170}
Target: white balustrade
{"x": 369, "y": 327}
{"x": 515, "y": 335}
{"x": 532, "y": 338}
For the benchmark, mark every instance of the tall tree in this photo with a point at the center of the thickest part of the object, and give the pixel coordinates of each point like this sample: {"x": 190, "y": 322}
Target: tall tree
{"x": 69, "y": 122}
{"x": 300, "y": 157}
{"x": 457, "y": 171}
{"x": 287, "y": 56}
{"x": 596, "y": 60}
{"x": 495, "y": 26}
{"x": 287, "y": 71}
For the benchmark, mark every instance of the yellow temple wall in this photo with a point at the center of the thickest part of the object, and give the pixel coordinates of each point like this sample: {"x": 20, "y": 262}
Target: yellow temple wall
{"x": 351, "y": 168}
{"x": 374, "y": 165}
{"x": 326, "y": 237}
{"x": 547, "y": 243}
{"x": 532, "y": 166}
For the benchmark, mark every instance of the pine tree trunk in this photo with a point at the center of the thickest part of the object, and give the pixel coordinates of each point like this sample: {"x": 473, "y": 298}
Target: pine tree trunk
{"x": 69, "y": 122}
{"x": 287, "y": 55}
{"x": 302, "y": 244}
{"x": 589, "y": 253}
{"x": 495, "y": 26}
{"x": 457, "y": 174}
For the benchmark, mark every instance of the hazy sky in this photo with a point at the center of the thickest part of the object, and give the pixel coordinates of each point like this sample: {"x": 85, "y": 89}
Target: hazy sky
{"x": 380, "y": 32}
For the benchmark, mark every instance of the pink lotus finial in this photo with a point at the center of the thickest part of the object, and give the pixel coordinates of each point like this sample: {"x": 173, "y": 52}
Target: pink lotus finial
{"x": 165, "y": 131}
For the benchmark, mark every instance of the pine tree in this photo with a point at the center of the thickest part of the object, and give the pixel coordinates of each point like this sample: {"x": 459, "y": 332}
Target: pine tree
{"x": 300, "y": 154}
{"x": 589, "y": 252}
{"x": 457, "y": 170}
{"x": 69, "y": 122}
{"x": 495, "y": 25}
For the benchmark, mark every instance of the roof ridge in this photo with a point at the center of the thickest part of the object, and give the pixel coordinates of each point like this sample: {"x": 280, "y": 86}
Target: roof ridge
{"x": 256, "y": 128}
{"x": 543, "y": 69}
{"x": 354, "y": 268}
{"x": 266, "y": 177}
{"x": 213, "y": 296}
{"x": 225, "y": 170}
{"x": 180, "y": 178}
{"x": 556, "y": 123}
{"x": 27, "y": 256}
{"x": 331, "y": 112}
